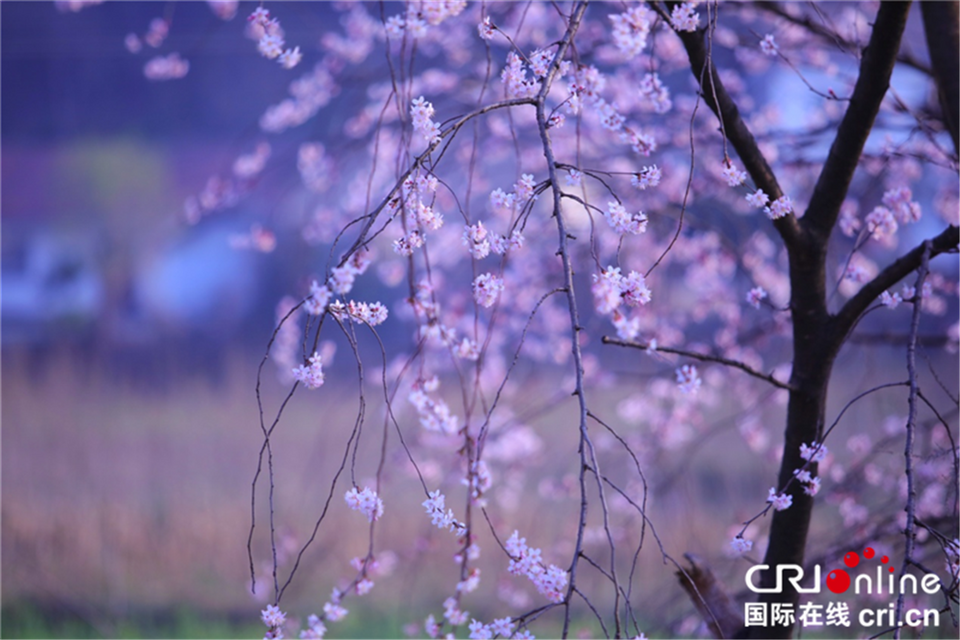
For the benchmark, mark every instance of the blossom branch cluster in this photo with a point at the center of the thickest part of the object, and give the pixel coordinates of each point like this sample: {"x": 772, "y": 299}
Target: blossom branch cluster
{"x": 270, "y": 39}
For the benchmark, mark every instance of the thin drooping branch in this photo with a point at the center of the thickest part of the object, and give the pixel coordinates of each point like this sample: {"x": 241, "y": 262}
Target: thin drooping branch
{"x": 873, "y": 80}
{"x": 702, "y": 357}
{"x": 715, "y": 95}
{"x": 911, "y": 508}
{"x": 585, "y": 447}
{"x": 844, "y": 321}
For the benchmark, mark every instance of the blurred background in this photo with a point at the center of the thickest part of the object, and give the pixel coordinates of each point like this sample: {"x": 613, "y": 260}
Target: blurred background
{"x": 130, "y": 338}
{"x": 131, "y": 341}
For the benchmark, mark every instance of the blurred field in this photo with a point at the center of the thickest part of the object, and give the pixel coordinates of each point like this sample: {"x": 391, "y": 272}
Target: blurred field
{"x": 126, "y": 506}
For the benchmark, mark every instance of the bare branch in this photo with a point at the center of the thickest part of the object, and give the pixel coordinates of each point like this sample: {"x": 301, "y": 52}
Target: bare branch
{"x": 844, "y": 321}
{"x": 703, "y": 357}
{"x": 911, "y": 528}
{"x": 832, "y": 36}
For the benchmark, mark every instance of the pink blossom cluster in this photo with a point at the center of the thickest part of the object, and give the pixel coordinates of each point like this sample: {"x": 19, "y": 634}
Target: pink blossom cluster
{"x": 780, "y": 501}
{"x": 435, "y": 505}
{"x": 486, "y": 28}
{"x": 891, "y": 300}
{"x": 417, "y": 193}
{"x": 487, "y": 288}
{"x": 810, "y": 482}
{"x": 848, "y": 221}
{"x": 471, "y": 582}
{"x": 310, "y": 375}
{"x": 371, "y": 313}
{"x": 476, "y": 241}
{"x": 319, "y": 298}
{"x": 655, "y": 94}
{"x": 156, "y": 33}
{"x": 900, "y": 201}
{"x": 453, "y": 613}
{"x": 647, "y": 177}
{"x": 684, "y": 17}
{"x": 315, "y": 166}
{"x": 421, "y": 113}
{"x": 631, "y": 28}
{"x": 343, "y": 277}
{"x": 734, "y": 176}
{"x": 779, "y": 208}
{"x": 224, "y": 9}
{"x": 315, "y": 630}
{"x": 585, "y": 92}
{"x": 257, "y": 239}
{"x": 333, "y": 611}
{"x": 310, "y": 93}
{"x": 435, "y": 414}
{"x": 586, "y": 85}
{"x": 739, "y": 545}
{"x": 755, "y": 295}
{"x": 479, "y": 479}
{"x": 502, "y": 627}
{"x": 526, "y": 561}
{"x": 515, "y": 80}
{"x": 898, "y": 208}
{"x": 248, "y": 165}
{"x": 270, "y": 39}
{"x": 758, "y": 198}
{"x": 421, "y": 13}
{"x": 467, "y": 349}
{"x": 622, "y": 222}
{"x": 517, "y": 199}
{"x": 366, "y": 501}
{"x": 218, "y": 193}
{"x": 611, "y": 288}
{"x": 274, "y": 618}
{"x": 688, "y": 379}
{"x": 169, "y": 67}
{"x": 768, "y": 45}
{"x": 426, "y": 310}
{"x": 285, "y": 352}
{"x": 813, "y": 452}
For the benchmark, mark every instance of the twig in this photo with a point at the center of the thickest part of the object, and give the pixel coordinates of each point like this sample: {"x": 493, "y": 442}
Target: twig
{"x": 910, "y": 531}
{"x": 703, "y": 357}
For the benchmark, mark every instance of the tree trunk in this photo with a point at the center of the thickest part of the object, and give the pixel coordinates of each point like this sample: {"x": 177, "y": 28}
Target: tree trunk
{"x": 941, "y": 22}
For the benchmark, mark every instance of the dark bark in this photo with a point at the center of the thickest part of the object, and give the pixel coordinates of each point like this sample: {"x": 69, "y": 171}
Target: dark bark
{"x": 941, "y": 22}
{"x": 814, "y": 346}
{"x": 711, "y": 598}
{"x": 844, "y": 321}
{"x": 876, "y": 67}
{"x": 738, "y": 134}
{"x": 817, "y": 336}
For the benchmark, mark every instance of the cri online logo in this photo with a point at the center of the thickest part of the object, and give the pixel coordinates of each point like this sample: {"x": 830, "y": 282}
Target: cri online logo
{"x": 839, "y": 581}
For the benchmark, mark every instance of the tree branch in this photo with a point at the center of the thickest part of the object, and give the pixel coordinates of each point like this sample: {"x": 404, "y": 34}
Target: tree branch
{"x": 910, "y": 530}
{"x": 720, "y": 102}
{"x": 941, "y": 22}
{"x": 703, "y": 357}
{"x": 842, "y": 323}
{"x": 833, "y": 37}
{"x": 873, "y": 81}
